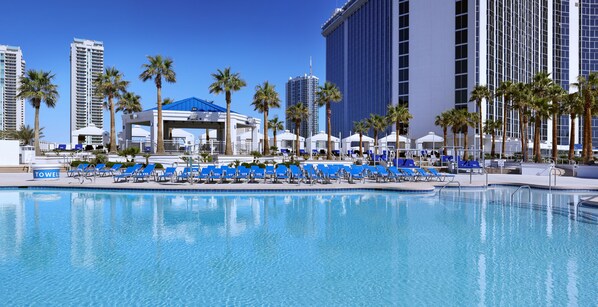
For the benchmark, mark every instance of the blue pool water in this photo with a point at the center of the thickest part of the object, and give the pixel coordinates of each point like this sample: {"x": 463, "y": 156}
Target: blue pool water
{"x": 117, "y": 248}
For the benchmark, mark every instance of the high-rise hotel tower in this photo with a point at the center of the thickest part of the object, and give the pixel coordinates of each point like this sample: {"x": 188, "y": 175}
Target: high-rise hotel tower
{"x": 87, "y": 62}
{"x": 429, "y": 54}
{"x": 303, "y": 89}
{"x": 12, "y": 68}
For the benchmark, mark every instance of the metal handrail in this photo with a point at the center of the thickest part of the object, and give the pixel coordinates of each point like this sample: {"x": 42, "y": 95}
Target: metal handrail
{"x": 529, "y": 194}
{"x": 450, "y": 182}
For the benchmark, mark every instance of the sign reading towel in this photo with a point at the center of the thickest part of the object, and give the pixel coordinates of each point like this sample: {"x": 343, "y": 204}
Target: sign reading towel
{"x": 46, "y": 172}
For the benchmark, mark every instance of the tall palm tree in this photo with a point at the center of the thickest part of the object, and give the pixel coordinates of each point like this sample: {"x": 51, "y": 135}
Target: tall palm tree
{"x": 129, "y": 103}
{"x": 461, "y": 121}
{"x": 37, "y": 87}
{"x": 574, "y": 105}
{"x": 556, "y": 95}
{"x": 452, "y": 119}
{"x": 399, "y": 115}
{"x": 275, "y": 125}
{"x": 157, "y": 69}
{"x": 377, "y": 123}
{"x": 110, "y": 85}
{"x": 522, "y": 102}
{"x": 297, "y": 113}
{"x": 541, "y": 85}
{"x": 505, "y": 90}
{"x": 479, "y": 94}
{"x": 265, "y": 98}
{"x": 227, "y": 83}
{"x": 360, "y": 128}
{"x": 490, "y": 127}
{"x": 587, "y": 88}
{"x": 443, "y": 121}
{"x": 26, "y": 134}
{"x": 324, "y": 96}
{"x": 167, "y": 101}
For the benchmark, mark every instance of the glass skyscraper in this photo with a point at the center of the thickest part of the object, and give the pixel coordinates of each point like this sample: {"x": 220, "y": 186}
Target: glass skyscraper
{"x": 430, "y": 54}
{"x": 303, "y": 90}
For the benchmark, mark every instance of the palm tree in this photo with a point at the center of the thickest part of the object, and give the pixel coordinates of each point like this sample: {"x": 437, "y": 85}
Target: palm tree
{"x": 37, "y": 87}
{"x": 266, "y": 97}
{"x": 521, "y": 102}
{"x": 276, "y": 125}
{"x": 360, "y": 127}
{"x": 398, "y": 115}
{"x": 540, "y": 97}
{"x": 573, "y": 105}
{"x": 227, "y": 82}
{"x": 377, "y": 123}
{"x": 110, "y": 85}
{"x": 479, "y": 94}
{"x": 490, "y": 127}
{"x": 129, "y": 103}
{"x": 167, "y": 101}
{"x": 461, "y": 121}
{"x": 443, "y": 121}
{"x": 297, "y": 113}
{"x": 587, "y": 88}
{"x": 556, "y": 94}
{"x": 26, "y": 134}
{"x": 157, "y": 69}
{"x": 505, "y": 90}
{"x": 324, "y": 96}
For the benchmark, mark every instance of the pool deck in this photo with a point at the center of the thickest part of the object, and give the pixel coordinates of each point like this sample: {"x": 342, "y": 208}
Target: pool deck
{"x": 477, "y": 181}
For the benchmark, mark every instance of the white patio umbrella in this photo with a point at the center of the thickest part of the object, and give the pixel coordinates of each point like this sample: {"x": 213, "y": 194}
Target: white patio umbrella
{"x": 319, "y": 141}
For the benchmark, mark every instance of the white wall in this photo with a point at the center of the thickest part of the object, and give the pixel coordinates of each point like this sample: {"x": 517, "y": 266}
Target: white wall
{"x": 431, "y": 63}
{"x": 9, "y": 155}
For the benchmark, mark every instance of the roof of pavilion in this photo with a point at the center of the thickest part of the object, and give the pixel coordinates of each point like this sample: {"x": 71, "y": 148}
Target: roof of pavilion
{"x": 192, "y": 104}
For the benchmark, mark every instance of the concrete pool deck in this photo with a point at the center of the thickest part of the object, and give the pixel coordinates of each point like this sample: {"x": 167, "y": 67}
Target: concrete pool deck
{"x": 479, "y": 181}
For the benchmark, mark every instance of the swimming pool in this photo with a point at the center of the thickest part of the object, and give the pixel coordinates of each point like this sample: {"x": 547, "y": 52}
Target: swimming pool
{"x": 294, "y": 248}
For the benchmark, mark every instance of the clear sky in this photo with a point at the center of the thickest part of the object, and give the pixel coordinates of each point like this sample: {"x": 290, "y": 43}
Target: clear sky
{"x": 261, "y": 39}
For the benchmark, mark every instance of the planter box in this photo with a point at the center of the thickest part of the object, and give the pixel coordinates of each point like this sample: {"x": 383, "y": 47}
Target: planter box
{"x": 587, "y": 171}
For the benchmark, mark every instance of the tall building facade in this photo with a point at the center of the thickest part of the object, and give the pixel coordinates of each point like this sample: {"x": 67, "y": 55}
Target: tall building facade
{"x": 429, "y": 55}
{"x": 12, "y": 68}
{"x": 87, "y": 62}
{"x": 303, "y": 90}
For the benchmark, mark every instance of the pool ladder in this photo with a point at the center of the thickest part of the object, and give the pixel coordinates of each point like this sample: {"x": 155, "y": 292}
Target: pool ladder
{"x": 448, "y": 183}
{"x": 529, "y": 193}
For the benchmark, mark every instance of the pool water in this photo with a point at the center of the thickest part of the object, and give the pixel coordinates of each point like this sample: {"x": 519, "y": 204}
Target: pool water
{"x": 362, "y": 247}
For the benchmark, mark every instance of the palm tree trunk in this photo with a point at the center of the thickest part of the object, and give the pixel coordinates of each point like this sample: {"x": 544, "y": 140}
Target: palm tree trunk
{"x": 481, "y": 131}
{"x": 329, "y": 124}
{"x": 160, "y": 146}
{"x": 444, "y": 142}
{"x": 465, "y": 157}
{"x": 360, "y": 145}
{"x": 398, "y": 124}
{"x": 493, "y": 148}
{"x": 537, "y": 151}
{"x": 266, "y": 141}
{"x": 525, "y": 140}
{"x": 503, "y": 148}
{"x": 228, "y": 149}
{"x": 38, "y": 151}
{"x": 572, "y": 137}
{"x": 522, "y": 133}
{"x": 587, "y": 127}
{"x": 112, "y": 127}
{"x": 375, "y": 142}
{"x": 454, "y": 142}
{"x": 274, "y": 132}
{"x": 298, "y": 128}
{"x": 555, "y": 120}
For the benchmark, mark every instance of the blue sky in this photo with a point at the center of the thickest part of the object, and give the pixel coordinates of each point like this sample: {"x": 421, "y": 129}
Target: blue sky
{"x": 262, "y": 40}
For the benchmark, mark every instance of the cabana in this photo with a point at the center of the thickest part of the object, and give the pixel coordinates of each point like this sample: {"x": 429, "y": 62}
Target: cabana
{"x": 352, "y": 143}
{"x": 390, "y": 140}
{"x": 429, "y": 141}
{"x": 83, "y": 135}
{"x": 286, "y": 140}
{"x": 320, "y": 142}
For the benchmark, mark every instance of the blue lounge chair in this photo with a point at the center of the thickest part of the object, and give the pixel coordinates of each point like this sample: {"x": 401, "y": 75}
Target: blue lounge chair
{"x": 396, "y": 174}
{"x": 78, "y": 147}
{"x": 424, "y": 175}
{"x": 188, "y": 173}
{"x": 145, "y": 174}
{"x": 330, "y": 173}
{"x": 126, "y": 174}
{"x": 296, "y": 174}
{"x": 110, "y": 171}
{"x": 95, "y": 170}
{"x": 356, "y": 172}
{"x": 382, "y": 173}
{"x": 243, "y": 173}
{"x": 311, "y": 174}
{"x": 167, "y": 175}
{"x": 270, "y": 172}
{"x": 281, "y": 173}
{"x": 409, "y": 163}
{"x": 62, "y": 147}
{"x": 257, "y": 173}
{"x": 80, "y": 168}
{"x": 441, "y": 176}
{"x": 204, "y": 174}
{"x": 222, "y": 174}
{"x": 409, "y": 174}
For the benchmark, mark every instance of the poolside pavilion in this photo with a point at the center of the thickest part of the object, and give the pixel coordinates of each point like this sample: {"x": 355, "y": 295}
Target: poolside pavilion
{"x": 192, "y": 113}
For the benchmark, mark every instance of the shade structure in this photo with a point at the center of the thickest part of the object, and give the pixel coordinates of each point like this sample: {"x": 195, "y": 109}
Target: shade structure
{"x": 90, "y": 130}
{"x": 352, "y": 142}
{"x": 389, "y": 141}
{"x": 213, "y": 135}
{"x": 429, "y": 141}
{"x": 287, "y": 140}
{"x": 320, "y": 140}
{"x": 246, "y": 136}
{"x": 182, "y": 136}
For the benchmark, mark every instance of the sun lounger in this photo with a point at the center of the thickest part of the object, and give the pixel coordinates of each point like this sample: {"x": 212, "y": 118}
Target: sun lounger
{"x": 167, "y": 175}
{"x": 409, "y": 174}
{"x": 281, "y": 173}
{"x": 296, "y": 174}
{"x": 145, "y": 174}
{"x": 110, "y": 171}
{"x": 126, "y": 174}
{"x": 424, "y": 175}
{"x": 243, "y": 173}
{"x": 257, "y": 173}
{"x": 382, "y": 173}
{"x": 356, "y": 172}
{"x": 441, "y": 176}
{"x": 187, "y": 174}
{"x": 311, "y": 174}
{"x": 80, "y": 168}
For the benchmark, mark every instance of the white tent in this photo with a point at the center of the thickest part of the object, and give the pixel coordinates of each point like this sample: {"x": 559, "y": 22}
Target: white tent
{"x": 90, "y": 130}
{"x": 429, "y": 141}
{"x": 287, "y": 140}
{"x": 245, "y": 136}
{"x": 185, "y": 136}
{"x": 390, "y": 140}
{"x": 319, "y": 142}
{"x": 352, "y": 142}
